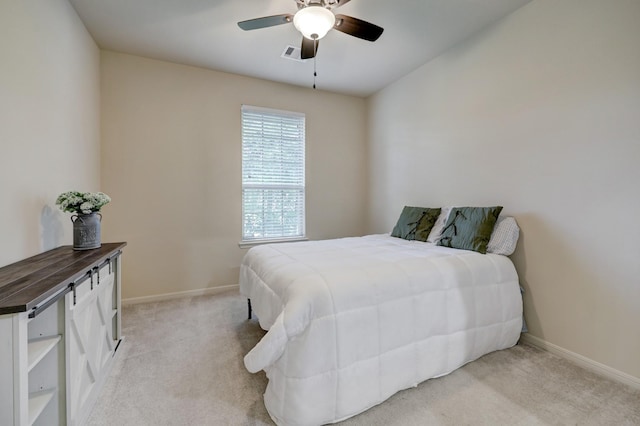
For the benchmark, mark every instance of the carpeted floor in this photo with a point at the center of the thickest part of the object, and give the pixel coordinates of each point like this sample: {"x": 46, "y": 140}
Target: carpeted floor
{"x": 181, "y": 364}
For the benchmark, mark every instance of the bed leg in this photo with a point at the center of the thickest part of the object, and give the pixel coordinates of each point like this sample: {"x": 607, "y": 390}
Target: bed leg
{"x": 249, "y": 307}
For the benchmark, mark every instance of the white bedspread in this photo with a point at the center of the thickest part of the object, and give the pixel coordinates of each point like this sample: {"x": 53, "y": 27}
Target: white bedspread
{"x": 354, "y": 320}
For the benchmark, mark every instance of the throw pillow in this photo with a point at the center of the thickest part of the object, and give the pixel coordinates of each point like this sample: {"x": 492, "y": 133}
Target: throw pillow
{"x": 469, "y": 228}
{"x": 415, "y": 223}
{"x": 504, "y": 237}
{"x": 436, "y": 231}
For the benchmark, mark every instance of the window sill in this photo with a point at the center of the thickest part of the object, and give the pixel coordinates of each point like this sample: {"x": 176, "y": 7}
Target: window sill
{"x": 249, "y": 244}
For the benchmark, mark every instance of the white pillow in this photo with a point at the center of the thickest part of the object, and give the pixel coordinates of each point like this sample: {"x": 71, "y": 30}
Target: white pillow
{"x": 438, "y": 227}
{"x": 504, "y": 236}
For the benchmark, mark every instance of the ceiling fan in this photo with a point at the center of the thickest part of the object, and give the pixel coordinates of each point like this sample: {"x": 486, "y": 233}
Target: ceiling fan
{"x": 314, "y": 19}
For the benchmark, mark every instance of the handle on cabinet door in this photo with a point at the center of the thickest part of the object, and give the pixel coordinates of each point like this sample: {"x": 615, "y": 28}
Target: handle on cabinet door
{"x": 74, "y": 284}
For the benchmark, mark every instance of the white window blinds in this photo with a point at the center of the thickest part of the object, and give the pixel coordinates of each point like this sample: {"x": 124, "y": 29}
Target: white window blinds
{"x": 272, "y": 174}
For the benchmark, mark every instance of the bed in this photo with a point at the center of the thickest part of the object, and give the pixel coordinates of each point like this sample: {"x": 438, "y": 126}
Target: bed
{"x": 352, "y": 321}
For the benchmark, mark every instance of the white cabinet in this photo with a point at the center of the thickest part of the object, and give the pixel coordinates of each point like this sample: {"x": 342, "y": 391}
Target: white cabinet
{"x": 57, "y": 349}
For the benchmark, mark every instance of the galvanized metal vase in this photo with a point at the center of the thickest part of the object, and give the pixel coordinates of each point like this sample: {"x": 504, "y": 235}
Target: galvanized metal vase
{"x": 86, "y": 231}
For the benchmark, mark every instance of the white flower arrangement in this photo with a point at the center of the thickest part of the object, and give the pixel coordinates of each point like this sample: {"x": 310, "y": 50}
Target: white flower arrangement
{"x": 82, "y": 202}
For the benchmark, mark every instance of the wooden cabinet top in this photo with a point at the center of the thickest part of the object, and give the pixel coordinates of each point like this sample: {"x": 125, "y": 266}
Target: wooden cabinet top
{"x": 28, "y": 282}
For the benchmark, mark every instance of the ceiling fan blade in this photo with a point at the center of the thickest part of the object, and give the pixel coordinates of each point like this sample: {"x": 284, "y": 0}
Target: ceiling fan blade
{"x": 266, "y": 21}
{"x": 309, "y": 48}
{"x": 358, "y": 28}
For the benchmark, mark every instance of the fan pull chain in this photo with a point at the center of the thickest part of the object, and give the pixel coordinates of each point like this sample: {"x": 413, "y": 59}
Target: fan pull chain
{"x": 315, "y": 54}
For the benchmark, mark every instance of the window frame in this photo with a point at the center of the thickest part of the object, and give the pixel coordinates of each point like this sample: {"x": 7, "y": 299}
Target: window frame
{"x": 266, "y": 240}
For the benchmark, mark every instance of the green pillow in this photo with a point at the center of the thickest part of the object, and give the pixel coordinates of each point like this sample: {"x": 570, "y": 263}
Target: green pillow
{"x": 469, "y": 228}
{"x": 415, "y": 223}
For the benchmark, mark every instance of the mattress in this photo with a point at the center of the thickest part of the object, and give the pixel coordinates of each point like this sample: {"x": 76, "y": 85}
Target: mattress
{"x": 352, "y": 321}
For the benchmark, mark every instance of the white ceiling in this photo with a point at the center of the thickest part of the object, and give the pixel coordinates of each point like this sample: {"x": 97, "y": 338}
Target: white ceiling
{"x": 204, "y": 33}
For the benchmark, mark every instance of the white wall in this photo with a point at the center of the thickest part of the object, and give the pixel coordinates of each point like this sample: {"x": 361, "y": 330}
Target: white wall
{"x": 49, "y": 122}
{"x": 171, "y": 161}
{"x": 541, "y": 114}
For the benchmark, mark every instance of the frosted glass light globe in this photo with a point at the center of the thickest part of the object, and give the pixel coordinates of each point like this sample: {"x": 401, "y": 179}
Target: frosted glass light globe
{"x": 314, "y": 22}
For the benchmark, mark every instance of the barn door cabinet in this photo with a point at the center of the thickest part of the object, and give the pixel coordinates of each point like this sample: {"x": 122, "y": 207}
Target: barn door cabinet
{"x": 59, "y": 332}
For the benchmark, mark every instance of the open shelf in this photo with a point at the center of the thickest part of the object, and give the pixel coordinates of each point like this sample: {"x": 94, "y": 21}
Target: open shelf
{"x": 38, "y": 402}
{"x": 38, "y": 349}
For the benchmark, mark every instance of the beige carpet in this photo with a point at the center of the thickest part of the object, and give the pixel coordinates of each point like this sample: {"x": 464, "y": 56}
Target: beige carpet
{"x": 181, "y": 364}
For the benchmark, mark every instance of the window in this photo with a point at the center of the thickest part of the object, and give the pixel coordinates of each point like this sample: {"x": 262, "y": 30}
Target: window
{"x": 272, "y": 174}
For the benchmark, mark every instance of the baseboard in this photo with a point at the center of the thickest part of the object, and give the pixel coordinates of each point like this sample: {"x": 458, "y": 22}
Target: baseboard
{"x": 177, "y": 295}
{"x": 583, "y": 361}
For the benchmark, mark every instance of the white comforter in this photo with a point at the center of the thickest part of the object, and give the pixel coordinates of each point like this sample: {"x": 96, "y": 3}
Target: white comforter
{"x": 354, "y": 320}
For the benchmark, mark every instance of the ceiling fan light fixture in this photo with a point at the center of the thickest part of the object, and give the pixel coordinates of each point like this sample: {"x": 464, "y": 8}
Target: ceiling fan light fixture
{"x": 314, "y": 22}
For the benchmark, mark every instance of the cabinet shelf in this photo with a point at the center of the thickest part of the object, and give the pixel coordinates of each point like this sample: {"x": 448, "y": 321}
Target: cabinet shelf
{"x": 38, "y": 402}
{"x": 38, "y": 349}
